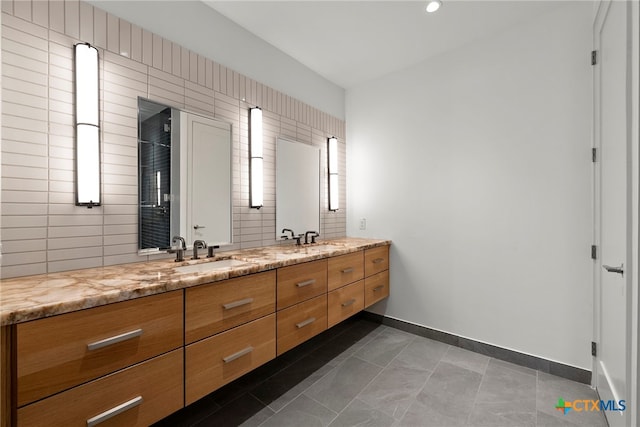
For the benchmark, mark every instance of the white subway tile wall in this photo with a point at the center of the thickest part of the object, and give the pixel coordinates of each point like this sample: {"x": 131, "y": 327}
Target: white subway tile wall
{"x": 41, "y": 229}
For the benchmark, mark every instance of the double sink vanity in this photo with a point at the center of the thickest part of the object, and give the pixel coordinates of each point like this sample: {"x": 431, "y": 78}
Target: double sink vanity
{"x": 128, "y": 345}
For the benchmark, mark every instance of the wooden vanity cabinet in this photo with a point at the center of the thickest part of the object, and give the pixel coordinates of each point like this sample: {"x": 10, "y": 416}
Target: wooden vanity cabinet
{"x": 224, "y": 357}
{"x": 345, "y": 269}
{"x": 376, "y": 260}
{"x": 376, "y": 268}
{"x": 297, "y": 283}
{"x": 135, "y": 362}
{"x": 81, "y": 367}
{"x": 230, "y": 329}
{"x": 145, "y": 393}
{"x": 59, "y": 352}
{"x": 345, "y": 302}
{"x": 219, "y": 306}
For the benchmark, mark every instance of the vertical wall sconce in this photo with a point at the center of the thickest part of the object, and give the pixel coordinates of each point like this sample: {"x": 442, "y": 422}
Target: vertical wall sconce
{"x": 256, "y": 192}
{"x": 87, "y": 126}
{"x": 334, "y": 186}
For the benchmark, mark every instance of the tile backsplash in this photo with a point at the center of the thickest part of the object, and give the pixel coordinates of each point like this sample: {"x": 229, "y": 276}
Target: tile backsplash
{"x": 42, "y": 230}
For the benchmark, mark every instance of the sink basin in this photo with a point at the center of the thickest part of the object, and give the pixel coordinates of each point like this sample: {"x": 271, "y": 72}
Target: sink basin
{"x": 207, "y": 267}
{"x": 321, "y": 248}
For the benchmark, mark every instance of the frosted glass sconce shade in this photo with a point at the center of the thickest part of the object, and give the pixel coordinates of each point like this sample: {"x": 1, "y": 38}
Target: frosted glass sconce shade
{"x": 334, "y": 186}
{"x": 256, "y": 192}
{"x": 87, "y": 126}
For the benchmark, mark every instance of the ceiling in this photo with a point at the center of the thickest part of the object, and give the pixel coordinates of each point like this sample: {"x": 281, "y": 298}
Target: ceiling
{"x": 350, "y": 42}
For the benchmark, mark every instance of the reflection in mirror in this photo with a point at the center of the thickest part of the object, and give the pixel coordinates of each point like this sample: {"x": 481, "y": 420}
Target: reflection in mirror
{"x": 297, "y": 186}
{"x": 154, "y": 161}
{"x": 184, "y": 166}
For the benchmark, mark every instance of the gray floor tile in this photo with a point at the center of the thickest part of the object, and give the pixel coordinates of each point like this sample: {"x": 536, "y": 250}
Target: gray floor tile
{"x": 394, "y": 389}
{"x": 280, "y": 389}
{"x": 340, "y": 386}
{"x": 303, "y": 411}
{"x": 446, "y": 399}
{"x": 502, "y": 384}
{"x": 428, "y": 413}
{"x": 451, "y": 382}
{"x": 421, "y": 353}
{"x": 466, "y": 359}
{"x": 359, "y": 413}
{"x": 384, "y": 346}
{"x": 503, "y": 414}
{"x": 550, "y": 388}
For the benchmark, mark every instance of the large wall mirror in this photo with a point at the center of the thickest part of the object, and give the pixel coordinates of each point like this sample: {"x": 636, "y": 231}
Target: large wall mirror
{"x": 184, "y": 170}
{"x": 297, "y": 186}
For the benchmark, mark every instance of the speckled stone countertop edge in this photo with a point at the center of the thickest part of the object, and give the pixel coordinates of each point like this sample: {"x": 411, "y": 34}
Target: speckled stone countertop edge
{"x": 29, "y": 298}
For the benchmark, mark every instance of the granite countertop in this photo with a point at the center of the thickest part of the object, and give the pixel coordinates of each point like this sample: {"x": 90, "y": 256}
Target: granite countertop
{"x": 34, "y": 297}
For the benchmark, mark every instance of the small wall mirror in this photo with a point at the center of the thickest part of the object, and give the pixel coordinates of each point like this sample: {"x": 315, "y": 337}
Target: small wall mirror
{"x": 297, "y": 186}
{"x": 184, "y": 169}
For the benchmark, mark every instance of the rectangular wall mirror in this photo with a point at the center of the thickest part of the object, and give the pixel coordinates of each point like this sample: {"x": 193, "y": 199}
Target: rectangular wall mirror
{"x": 184, "y": 170}
{"x": 297, "y": 186}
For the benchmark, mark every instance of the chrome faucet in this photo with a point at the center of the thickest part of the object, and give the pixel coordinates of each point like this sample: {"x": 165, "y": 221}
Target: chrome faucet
{"x": 180, "y": 249}
{"x": 198, "y": 244}
{"x": 313, "y": 234}
{"x": 293, "y": 235}
{"x": 288, "y": 230}
{"x": 211, "y": 250}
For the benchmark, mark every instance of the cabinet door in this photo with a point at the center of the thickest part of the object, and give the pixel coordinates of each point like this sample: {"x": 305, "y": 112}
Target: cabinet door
{"x": 136, "y": 396}
{"x": 220, "y": 359}
{"x": 345, "y": 269}
{"x": 345, "y": 302}
{"x": 300, "y": 322}
{"x": 376, "y": 260}
{"x": 213, "y": 308}
{"x": 301, "y": 282}
{"x": 376, "y": 288}
{"x": 60, "y": 352}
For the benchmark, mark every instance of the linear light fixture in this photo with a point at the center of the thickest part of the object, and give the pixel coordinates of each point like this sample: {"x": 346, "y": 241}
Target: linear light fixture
{"x": 87, "y": 126}
{"x": 334, "y": 186}
{"x": 256, "y": 186}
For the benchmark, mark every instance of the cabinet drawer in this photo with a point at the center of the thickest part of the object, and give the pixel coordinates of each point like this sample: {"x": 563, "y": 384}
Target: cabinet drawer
{"x": 216, "y": 361}
{"x": 152, "y": 389}
{"x": 376, "y": 260}
{"x": 60, "y": 352}
{"x": 345, "y": 302}
{"x": 301, "y": 282}
{"x": 216, "y": 307}
{"x": 302, "y": 321}
{"x": 376, "y": 288}
{"x": 345, "y": 269}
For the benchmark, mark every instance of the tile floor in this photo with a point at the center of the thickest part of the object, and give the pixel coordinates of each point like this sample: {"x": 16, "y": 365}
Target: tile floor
{"x": 360, "y": 373}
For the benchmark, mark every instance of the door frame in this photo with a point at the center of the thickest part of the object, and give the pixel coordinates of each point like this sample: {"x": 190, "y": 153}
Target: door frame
{"x": 632, "y": 393}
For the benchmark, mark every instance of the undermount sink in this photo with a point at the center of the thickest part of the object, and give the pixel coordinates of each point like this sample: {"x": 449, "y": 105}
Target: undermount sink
{"x": 321, "y": 248}
{"x": 207, "y": 267}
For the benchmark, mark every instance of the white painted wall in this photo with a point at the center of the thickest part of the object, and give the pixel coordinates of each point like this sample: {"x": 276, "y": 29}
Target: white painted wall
{"x": 219, "y": 38}
{"x": 476, "y": 164}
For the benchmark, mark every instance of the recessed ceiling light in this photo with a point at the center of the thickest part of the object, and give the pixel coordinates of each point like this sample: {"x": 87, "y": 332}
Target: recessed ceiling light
{"x": 433, "y": 5}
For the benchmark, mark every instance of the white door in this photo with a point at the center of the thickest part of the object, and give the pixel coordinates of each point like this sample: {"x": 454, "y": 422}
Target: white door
{"x": 612, "y": 139}
{"x": 208, "y": 213}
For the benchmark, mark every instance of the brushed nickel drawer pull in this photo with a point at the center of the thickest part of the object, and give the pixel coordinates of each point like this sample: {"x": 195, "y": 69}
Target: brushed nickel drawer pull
{"x": 130, "y": 404}
{"x": 238, "y": 303}
{"x": 348, "y": 303}
{"x": 378, "y": 260}
{"x": 114, "y": 340}
{"x": 237, "y": 355}
{"x": 348, "y": 270}
{"x": 305, "y": 322}
{"x": 377, "y": 288}
{"x": 306, "y": 283}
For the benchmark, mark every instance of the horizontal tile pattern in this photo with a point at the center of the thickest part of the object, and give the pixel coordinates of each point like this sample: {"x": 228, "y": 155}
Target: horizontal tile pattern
{"x": 41, "y": 229}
